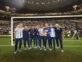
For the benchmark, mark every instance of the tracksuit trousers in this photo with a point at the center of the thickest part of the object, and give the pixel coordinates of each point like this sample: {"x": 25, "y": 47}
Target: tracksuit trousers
{"x": 61, "y": 43}
{"x": 26, "y": 41}
{"x": 18, "y": 41}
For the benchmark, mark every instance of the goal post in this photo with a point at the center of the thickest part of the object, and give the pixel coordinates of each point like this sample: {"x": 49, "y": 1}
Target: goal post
{"x": 12, "y": 43}
{"x": 37, "y": 17}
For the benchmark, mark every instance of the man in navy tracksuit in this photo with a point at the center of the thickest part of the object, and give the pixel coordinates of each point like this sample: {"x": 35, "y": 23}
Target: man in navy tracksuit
{"x": 36, "y": 36}
{"x": 26, "y": 37}
{"x": 58, "y": 32}
{"x": 46, "y": 36}
{"x": 31, "y": 31}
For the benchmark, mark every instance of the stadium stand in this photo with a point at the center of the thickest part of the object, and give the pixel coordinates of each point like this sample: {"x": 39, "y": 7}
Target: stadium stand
{"x": 5, "y": 28}
{"x": 67, "y": 24}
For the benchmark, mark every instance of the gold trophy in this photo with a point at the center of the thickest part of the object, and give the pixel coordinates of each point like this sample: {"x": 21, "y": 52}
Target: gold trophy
{"x": 45, "y": 32}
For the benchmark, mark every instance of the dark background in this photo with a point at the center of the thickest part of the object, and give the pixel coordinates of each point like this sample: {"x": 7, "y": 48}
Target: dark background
{"x": 31, "y": 6}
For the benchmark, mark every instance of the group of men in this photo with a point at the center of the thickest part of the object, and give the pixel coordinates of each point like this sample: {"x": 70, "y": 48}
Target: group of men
{"x": 40, "y": 36}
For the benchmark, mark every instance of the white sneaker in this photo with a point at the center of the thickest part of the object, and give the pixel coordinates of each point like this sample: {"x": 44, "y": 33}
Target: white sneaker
{"x": 15, "y": 52}
{"x": 50, "y": 49}
{"x": 57, "y": 47}
{"x": 35, "y": 47}
{"x": 40, "y": 48}
{"x": 25, "y": 48}
{"x": 20, "y": 50}
{"x": 62, "y": 51}
{"x": 45, "y": 49}
{"x": 29, "y": 48}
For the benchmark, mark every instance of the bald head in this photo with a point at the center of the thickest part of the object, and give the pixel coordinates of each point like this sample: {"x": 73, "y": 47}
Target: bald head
{"x": 46, "y": 25}
{"x": 57, "y": 25}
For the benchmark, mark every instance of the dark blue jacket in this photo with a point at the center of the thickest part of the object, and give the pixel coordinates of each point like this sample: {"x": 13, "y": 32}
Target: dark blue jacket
{"x": 25, "y": 34}
{"x": 58, "y": 32}
{"x": 31, "y": 33}
{"x": 36, "y": 32}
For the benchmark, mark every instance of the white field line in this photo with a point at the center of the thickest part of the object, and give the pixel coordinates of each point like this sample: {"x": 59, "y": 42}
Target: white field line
{"x": 72, "y": 45}
{"x": 5, "y": 45}
{"x": 72, "y": 40}
{"x": 64, "y": 46}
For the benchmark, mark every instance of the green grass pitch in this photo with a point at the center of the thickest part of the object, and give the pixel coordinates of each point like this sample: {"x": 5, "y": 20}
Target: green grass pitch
{"x": 73, "y": 53}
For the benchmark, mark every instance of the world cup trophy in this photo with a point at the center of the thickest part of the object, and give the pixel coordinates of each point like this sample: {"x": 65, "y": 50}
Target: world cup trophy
{"x": 45, "y": 32}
